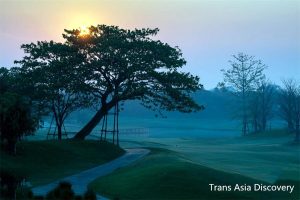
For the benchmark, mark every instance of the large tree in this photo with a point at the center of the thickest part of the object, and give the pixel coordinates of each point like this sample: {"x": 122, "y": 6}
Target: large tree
{"x": 130, "y": 64}
{"x": 243, "y": 75}
{"x": 16, "y": 115}
{"x": 50, "y": 69}
{"x": 261, "y": 106}
{"x": 289, "y": 105}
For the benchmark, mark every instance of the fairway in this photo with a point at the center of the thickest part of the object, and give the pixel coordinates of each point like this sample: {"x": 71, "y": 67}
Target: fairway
{"x": 166, "y": 174}
{"x": 266, "y": 158}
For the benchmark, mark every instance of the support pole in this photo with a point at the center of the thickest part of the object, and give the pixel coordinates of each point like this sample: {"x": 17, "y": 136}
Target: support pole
{"x": 48, "y": 134}
{"x": 117, "y": 108}
{"x": 114, "y": 127}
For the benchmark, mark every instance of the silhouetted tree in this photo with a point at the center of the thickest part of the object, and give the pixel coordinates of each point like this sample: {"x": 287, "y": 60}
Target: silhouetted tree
{"x": 129, "y": 64}
{"x": 15, "y": 119}
{"x": 244, "y": 73}
{"x": 290, "y": 106}
{"x": 261, "y": 106}
{"x": 50, "y": 69}
{"x": 4, "y": 85}
{"x": 16, "y": 115}
{"x": 63, "y": 191}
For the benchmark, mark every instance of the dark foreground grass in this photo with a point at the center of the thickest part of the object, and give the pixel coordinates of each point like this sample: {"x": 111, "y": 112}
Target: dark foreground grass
{"x": 44, "y": 161}
{"x": 167, "y": 175}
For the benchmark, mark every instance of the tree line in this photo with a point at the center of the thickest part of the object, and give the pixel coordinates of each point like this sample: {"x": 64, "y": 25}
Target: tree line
{"x": 99, "y": 69}
{"x": 111, "y": 65}
{"x": 258, "y": 99}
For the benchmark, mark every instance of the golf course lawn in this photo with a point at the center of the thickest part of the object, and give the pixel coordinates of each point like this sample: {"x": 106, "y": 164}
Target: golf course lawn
{"x": 45, "y": 161}
{"x": 165, "y": 174}
{"x": 265, "y": 156}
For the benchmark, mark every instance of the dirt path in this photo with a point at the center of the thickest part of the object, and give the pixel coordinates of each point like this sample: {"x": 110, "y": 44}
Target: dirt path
{"x": 81, "y": 180}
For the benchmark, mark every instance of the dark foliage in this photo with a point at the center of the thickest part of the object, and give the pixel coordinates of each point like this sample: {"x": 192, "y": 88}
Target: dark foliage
{"x": 289, "y": 106}
{"x": 122, "y": 65}
{"x": 243, "y": 75}
{"x": 16, "y": 115}
{"x": 50, "y": 70}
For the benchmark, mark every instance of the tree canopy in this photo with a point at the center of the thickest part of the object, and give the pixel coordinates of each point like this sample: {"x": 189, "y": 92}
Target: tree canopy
{"x": 16, "y": 115}
{"x": 104, "y": 67}
{"x": 289, "y": 105}
{"x": 50, "y": 69}
{"x": 124, "y": 64}
{"x": 244, "y": 74}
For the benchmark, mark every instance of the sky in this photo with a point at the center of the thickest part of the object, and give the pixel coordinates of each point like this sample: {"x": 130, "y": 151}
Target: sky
{"x": 207, "y": 32}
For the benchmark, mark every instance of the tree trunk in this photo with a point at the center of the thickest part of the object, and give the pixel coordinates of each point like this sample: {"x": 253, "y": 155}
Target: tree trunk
{"x": 255, "y": 126}
{"x": 118, "y": 139}
{"x": 59, "y": 132}
{"x": 88, "y": 128}
{"x": 264, "y": 124}
{"x": 297, "y": 139}
{"x": 290, "y": 126}
{"x": 244, "y": 128}
{"x": 12, "y": 147}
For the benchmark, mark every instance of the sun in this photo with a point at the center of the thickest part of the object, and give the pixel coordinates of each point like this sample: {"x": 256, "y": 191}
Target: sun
{"x": 84, "y": 31}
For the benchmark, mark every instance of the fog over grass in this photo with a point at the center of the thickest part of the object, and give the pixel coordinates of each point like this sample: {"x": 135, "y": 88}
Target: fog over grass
{"x": 211, "y": 138}
{"x": 218, "y": 119}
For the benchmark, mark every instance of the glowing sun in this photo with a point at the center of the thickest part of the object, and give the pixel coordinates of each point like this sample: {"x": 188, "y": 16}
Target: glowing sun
{"x": 84, "y": 31}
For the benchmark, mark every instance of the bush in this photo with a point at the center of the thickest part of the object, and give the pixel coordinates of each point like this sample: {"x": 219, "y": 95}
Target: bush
{"x": 62, "y": 192}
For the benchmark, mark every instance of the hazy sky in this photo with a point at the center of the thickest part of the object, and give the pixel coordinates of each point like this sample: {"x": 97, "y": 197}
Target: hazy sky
{"x": 208, "y": 32}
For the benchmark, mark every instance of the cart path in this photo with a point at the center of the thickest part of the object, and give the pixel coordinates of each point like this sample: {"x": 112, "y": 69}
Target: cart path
{"x": 81, "y": 180}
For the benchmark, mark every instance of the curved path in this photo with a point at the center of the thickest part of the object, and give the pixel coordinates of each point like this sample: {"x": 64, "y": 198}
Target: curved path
{"x": 81, "y": 180}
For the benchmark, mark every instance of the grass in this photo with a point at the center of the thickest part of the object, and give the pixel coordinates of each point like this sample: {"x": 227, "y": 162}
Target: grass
{"x": 166, "y": 174}
{"x": 45, "y": 161}
{"x": 263, "y": 158}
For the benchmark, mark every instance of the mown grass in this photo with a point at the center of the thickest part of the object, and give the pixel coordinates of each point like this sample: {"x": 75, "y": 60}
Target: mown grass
{"x": 168, "y": 175}
{"x": 264, "y": 158}
{"x": 45, "y": 161}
